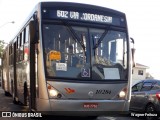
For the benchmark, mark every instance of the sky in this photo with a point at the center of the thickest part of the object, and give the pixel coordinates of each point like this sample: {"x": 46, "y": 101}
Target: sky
{"x": 143, "y": 18}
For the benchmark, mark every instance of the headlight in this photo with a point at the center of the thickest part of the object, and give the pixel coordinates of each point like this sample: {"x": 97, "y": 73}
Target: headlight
{"x": 53, "y": 93}
{"x": 122, "y": 94}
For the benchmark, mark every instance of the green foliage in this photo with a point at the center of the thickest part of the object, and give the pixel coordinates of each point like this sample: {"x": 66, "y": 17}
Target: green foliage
{"x": 1, "y": 47}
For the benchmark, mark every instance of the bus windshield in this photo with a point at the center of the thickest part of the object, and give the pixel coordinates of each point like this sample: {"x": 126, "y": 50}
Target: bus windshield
{"x": 87, "y": 53}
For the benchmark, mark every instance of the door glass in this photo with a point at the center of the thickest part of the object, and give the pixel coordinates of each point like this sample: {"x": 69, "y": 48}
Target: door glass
{"x": 137, "y": 87}
{"x": 146, "y": 86}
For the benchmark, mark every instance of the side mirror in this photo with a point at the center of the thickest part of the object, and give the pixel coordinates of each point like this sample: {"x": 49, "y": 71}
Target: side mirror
{"x": 133, "y": 53}
{"x": 36, "y": 28}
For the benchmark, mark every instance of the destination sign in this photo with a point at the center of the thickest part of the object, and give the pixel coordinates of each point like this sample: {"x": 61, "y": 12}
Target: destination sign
{"x": 83, "y": 16}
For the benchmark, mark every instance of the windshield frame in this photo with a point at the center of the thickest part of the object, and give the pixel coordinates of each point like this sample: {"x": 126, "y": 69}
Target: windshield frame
{"x": 91, "y": 46}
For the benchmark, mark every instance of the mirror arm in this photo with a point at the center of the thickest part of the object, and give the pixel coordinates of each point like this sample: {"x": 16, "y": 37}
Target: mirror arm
{"x": 133, "y": 53}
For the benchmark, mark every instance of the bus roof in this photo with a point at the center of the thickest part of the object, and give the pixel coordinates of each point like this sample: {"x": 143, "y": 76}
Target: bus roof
{"x": 80, "y": 6}
{"x": 67, "y": 5}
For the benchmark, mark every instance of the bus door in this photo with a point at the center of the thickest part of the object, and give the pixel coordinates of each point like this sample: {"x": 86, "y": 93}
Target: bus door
{"x": 33, "y": 66}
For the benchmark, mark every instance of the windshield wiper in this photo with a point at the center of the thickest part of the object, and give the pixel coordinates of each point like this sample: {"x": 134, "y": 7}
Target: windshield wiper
{"x": 101, "y": 38}
{"x": 75, "y": 36}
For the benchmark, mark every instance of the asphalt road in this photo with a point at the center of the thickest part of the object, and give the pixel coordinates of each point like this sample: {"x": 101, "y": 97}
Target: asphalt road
{"x": 7, "y": 108}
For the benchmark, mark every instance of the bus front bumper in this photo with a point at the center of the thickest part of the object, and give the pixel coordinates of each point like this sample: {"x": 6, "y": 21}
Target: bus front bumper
{"x": 83, "y": 107}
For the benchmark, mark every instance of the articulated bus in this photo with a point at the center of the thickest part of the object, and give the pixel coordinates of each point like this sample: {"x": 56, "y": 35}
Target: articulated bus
{"x": 70, "y": 57}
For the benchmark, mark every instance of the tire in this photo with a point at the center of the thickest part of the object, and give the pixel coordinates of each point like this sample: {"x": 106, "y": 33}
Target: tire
{"x": 151, "y": 109}
{"x": 25, "y": 94}
{"x": 15, "y": 102}
{"x": 6, "y": 93}
{"x": 14, "y": 99}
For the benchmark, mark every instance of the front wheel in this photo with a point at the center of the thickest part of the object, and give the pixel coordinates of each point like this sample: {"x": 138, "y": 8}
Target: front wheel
{"x": 15, "y": 101}
{"x": 7, "y": 93}
{"x": 150, "y": 110}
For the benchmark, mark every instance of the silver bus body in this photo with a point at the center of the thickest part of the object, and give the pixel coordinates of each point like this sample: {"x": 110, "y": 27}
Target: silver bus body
{"x": 47, "y": 84}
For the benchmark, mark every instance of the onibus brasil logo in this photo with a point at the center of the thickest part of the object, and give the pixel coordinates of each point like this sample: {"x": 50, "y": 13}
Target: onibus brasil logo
{"x": 17, "y": 114}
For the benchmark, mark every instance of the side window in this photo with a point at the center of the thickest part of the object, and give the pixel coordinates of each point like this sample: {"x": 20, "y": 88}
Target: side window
{"x": 18, "y": 43}
{"x": 156, "y": 86}
{"x": 20, "y": 38}
{"x": 21, "y": 47}
{"x": 26, "y": 34}
{"x": 12, "y": 49}
{"x": 137, "y": 87}
{"x": 17, "y": 46}
{"x": 146, "y": 86}
{"x": 10, "y": 53}
{"x": 26, "y": 44}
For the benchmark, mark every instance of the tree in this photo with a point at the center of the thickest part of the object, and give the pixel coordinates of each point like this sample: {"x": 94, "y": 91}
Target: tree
{"x": 1, "y": 47}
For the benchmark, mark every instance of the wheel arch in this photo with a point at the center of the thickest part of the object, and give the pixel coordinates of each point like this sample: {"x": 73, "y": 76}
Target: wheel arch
{"x": 149, "y": 103}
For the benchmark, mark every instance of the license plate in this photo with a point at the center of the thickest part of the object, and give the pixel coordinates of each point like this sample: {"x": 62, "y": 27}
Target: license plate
{"x": 90, "y": 105}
